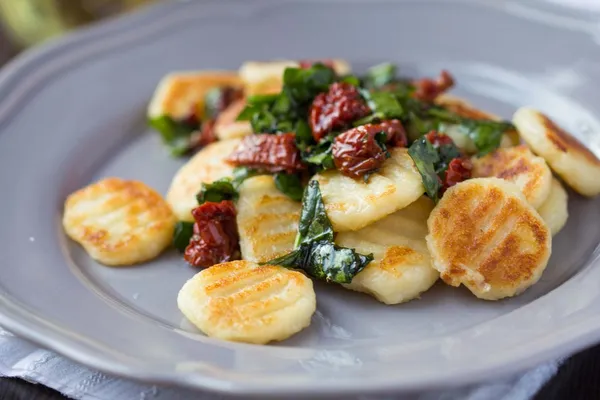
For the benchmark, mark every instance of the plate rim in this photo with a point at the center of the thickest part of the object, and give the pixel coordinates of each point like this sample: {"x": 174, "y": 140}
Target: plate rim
{"x": 18, "y": 319}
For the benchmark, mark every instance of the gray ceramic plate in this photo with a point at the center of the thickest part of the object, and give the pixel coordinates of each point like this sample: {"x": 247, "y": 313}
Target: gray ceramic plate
{"x": 73, "y": 112}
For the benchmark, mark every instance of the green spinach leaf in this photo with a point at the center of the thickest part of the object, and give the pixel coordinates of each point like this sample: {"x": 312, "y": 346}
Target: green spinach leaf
{"x": 426, "y": 158}
{"x": 255, "y": 104}
{"x": 447, "y": 153}
{"x": 225, "y": 188}
{"x": 315, "y": 253}
{"x": 301, "y": 85}
{"x": 314, "y": 223}
{"x": 320, "y": 156}
{"x": 217, "y": 191}
{"x": 384, "y": 105}
{"x": 325, "y": 261}
{"x": 380, "y": 75}
{"x": 284, "y": 112}
{"x": 182, "y": 235}
{"x": 421, "y": 118}
{"x": 486, "y": 134}
{"x": 432, "y": 163}
{"x": 351, "y": 79}
{"x": 175, "y": 134}
{"x": 304, "y": 137}
{"x": 290, "y": 185}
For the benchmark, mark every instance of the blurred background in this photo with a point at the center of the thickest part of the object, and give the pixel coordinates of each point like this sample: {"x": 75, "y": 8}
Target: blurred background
{"x": 25, "y": 23}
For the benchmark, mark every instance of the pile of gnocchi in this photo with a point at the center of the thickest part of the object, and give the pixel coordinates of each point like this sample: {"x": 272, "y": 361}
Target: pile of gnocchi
{"x": 390, "y": 234}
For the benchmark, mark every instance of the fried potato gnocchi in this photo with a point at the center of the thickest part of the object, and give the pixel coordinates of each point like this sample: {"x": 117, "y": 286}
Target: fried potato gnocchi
{"x": 226, "y": 126}
{"x": 485, "y": 235}
{"x": 465, "y": 109}
{"x": 519, "y": 166}
{"x": 119, "y": 222}
{"x": 353, "y": 204}
{"x": 566, "y": 155}
{"x": 266, "y": 77}
{"x": 180, "y": 93}
{"x": 244, "y": 302}
{"x": 267, "y": 220}
{"x": 402, "y": 269}
{"x": 206, "y": 166}
{"x": 555, "y": 210}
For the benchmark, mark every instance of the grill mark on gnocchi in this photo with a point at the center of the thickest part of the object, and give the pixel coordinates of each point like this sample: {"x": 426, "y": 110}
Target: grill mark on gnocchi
{"x": 249, "y": 303}
{"x": 499, "y": 249}
{"x": 568, "y": 157}
{"x": 119, "y": 222}
{"x": 260, "y": 289}
{"x": 231, "y": 284}
{"x": 520, "y": 166}
{"x": 267, "y": 220}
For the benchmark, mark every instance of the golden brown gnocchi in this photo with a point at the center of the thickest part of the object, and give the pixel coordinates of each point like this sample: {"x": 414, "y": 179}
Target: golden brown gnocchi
{"x": 119, "y": 222}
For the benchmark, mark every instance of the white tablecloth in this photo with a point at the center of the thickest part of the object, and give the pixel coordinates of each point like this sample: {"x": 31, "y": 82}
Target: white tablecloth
{"x": 20, "y": 358}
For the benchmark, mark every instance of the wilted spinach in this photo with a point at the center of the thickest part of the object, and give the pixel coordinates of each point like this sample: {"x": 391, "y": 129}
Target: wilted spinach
{"x": 217, "y": 191}
{"x": 224, "y": 188}
{"x": 314, "y": 225}
{"x": 379, "y": 75}
{"x": 486, "y": 134}
{"x": 351, "y": 79}
{"x": 315, "y": 253}
{"x": 290, "y": 185}
{"x": 175, "y": 134}
{"x": 325, "y": 261}
{"x": 182, "y": 234}
{"x": 320, "y": 156}
{"x": 447, "y": 153}
{"x": 432, "y": 163}
{"x": 426, "y": 157}
{"x": 384, "y": 105}
{"x": 283, "y": 112}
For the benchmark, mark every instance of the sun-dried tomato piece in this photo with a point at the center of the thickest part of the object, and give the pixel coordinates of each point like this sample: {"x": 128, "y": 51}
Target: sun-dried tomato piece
{"x": 336, "y": 109}
{"x": 356, "y": 152}
{"x": 266, "y": 152}
{"x": 396, "y": 135}
{"x": 192, "y": 118}
{"x": 227, "y": 96}
{"x": 458, "y": 170}
{"x": 438, "y": 139}
{"x": 428, "y": 89}
{"x": 204, "y": 136}
{"x": 207, "y": 133}
{"x": 215, "y": 239}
